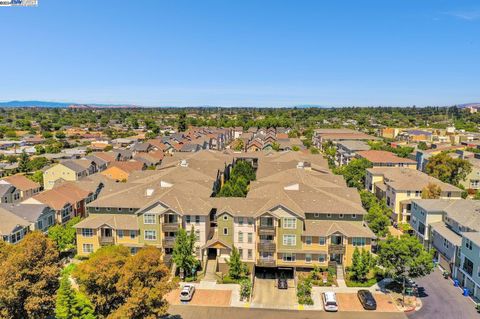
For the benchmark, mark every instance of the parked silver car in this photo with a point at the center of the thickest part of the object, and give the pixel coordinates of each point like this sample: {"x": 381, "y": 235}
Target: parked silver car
{"x": 187, "y": 292}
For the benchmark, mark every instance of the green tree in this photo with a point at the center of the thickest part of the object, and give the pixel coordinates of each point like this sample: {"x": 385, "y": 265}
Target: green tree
{"x": 65, "y": 298}
{"x": 184, "y": 251}
{"x": 37, "y": 163}
{"x": 37, "y": 177}
{"x": 237, "y": 269}
{"x": 238, "y": 145}
{"x": 23, "y": 163}
{"x": 182, "y": 122}
{"x": 29, "y": 273}
{"x": 60, "y": 134}
{"x": 362, "y": 264}
{"x": 354, "y": 172}
{"x": 448, "y": 169}
{"x": 422, "y": 146}
{"x": 82, "y": 308}
{"x": 64, "y": 235}
{"x": 404, "y": 257}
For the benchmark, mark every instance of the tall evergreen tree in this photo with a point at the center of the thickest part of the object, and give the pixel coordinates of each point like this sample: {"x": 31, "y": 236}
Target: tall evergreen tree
{"x": 23, "y": 163}
{"x": 237, "y": 269}
{"x": 65, "y": 299}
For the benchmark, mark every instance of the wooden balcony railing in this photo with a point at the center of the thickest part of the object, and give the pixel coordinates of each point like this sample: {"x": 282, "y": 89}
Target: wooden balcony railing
{"x": 106, "y": 240}
{"x": 266, "y": 245}
{"x": 267, "y": 262}
{"x": 168, "y": 242}
{"x": 336, "y": 249}
{"x": 170, "y": 227}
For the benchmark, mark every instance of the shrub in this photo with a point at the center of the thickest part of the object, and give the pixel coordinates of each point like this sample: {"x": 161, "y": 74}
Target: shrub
{"x": 304, "y": 291}
{"x": 245, "y": 289}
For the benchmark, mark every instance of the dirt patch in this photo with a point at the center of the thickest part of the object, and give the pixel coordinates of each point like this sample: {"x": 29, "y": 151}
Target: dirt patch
{"x": 350, "y": 302}
{"x": 203, "y": 297}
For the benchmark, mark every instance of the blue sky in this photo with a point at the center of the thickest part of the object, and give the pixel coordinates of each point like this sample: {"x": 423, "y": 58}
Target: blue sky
{"x": 243, "y": 53}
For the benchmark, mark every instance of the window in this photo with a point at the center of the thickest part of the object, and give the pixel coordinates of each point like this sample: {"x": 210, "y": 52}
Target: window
{"x": 97, "y": 208}
{"x": 240, "y": 252}
{"x": 468, "y": 244}
{"x": 87, "y": 232}
{"x": 250, "y": 221}
{"x": 119, "y": 209}
{"x": 108, "y": 209}
{"x": 40, "y": 224}
{"x": 446, "y": 244}
{"x": 359, "y": 241}
{"x": 290, "y": 223}
{"x": 316, "y": 215}
{"x": 288, "y": 257}
{"x": 289, "y": 240}
{"x": 354, "y": 216}
{"x": 188, "y": 219}
{"x": 50, "y": 220}
{"x": 468, "y": 266}
{"x": 250, "y": 238}
{"x": 240, "y": 237}
{"x": 322, "y": 258}
{"x": 225, "y": 217}
{"x": 250, "y": 254}
{"x": 240, "y": 221}
{"x": 321, "y": 241}
{"x": 120, "y": 233}
{"x": 150, "y": 235}
{"x": 133, "y": 234}
{"x": 197, "y": 219}
{"x": 329, "y": 215}
{"x": 308, "y": 240}
{"x": 341, "y": 215}
{"x": 149, "y": 219}
{"x": 130, "y": 209}
{"x": 225, "y": 231}
{"x": 308, "y": 258}
{"x": 87, "y": 248}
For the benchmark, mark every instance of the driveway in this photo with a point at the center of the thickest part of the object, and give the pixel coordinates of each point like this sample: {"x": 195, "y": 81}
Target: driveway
{"x": 266, "y": 295}
{"x": 442, "y": 300}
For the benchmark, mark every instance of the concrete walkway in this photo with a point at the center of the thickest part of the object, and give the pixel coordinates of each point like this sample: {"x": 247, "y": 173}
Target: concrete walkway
{"x": 210, "y": 272}
{"x": 340, "y": 277}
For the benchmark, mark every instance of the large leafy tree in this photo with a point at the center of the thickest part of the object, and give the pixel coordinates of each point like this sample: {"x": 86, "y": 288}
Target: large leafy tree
{"x": 354, "y": 172}
{"x": 98, "y": 277}
{"x": 143, "y": 283}
{"x": 404, "y": 257}
{"x": 29, "y": 274}
{"x": 184, "y": 251}
{"x": 237, "y": 269}
{"x": 362, "y": 263}
{"x": 447, "y": 169}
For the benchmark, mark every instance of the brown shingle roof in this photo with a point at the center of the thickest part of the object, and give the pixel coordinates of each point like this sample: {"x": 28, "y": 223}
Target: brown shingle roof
{"x": 21, "y": 182}
{"x": 376, "y": 156}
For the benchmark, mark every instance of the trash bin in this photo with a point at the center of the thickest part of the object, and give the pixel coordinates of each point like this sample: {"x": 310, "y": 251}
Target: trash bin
{"x": 455, "y": 282}
{"x": 465, "y": 292}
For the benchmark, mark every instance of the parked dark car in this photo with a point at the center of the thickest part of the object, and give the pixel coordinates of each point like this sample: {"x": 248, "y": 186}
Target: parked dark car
{"x": 367, "y": 300}
{"x": 282, "y": 283}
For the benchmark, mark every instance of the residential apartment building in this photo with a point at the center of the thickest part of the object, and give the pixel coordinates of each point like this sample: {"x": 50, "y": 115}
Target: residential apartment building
{"x": 72, "y": 170}
{"x": 16, "y": 220}
{"x": 386, "y": 159}
{"x": 400, "y": 185}
{"x": 346, "y": 151}
{"x": 323, "y": 135}
{"x": 293, "y": 215}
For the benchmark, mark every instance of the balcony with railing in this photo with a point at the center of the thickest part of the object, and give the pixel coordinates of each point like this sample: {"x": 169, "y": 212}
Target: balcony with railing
{"x": 266, "y": 262}
{"x": 170, "y": 227}
{"x": 336, "y": 249}
{"x": 266, "y": 228}
{"x": 266, "y": 245}
{"x": 106, "y": 240}
{"x": 168, "y": 242}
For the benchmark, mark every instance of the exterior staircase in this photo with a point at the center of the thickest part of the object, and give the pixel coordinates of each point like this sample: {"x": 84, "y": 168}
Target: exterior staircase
{"x": 210, "y": 271}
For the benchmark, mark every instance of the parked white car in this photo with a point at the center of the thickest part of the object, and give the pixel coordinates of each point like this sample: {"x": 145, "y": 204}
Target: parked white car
{"x": 187, "y": 292}
{"x": 330, "y": 301}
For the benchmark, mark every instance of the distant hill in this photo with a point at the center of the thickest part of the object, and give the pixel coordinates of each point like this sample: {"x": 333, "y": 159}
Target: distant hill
{"x": 474, "y": 105}
{"x": 33, "y": 104}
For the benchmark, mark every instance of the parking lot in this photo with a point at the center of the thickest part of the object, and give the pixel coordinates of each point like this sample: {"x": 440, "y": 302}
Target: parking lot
{"x": 202, "y": 297}
{"x": 350, "y": 302}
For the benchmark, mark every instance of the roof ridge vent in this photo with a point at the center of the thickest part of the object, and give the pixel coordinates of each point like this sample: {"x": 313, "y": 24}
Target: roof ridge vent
{"x": 149, "y": 192}
{"x": 300, "y": 165}
{"x": 183, "y": 163}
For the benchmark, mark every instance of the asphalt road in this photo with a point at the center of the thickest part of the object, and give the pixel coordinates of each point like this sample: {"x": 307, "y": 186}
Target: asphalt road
{"x": 442, "y": 300}
{"x": 199, "y": 312}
